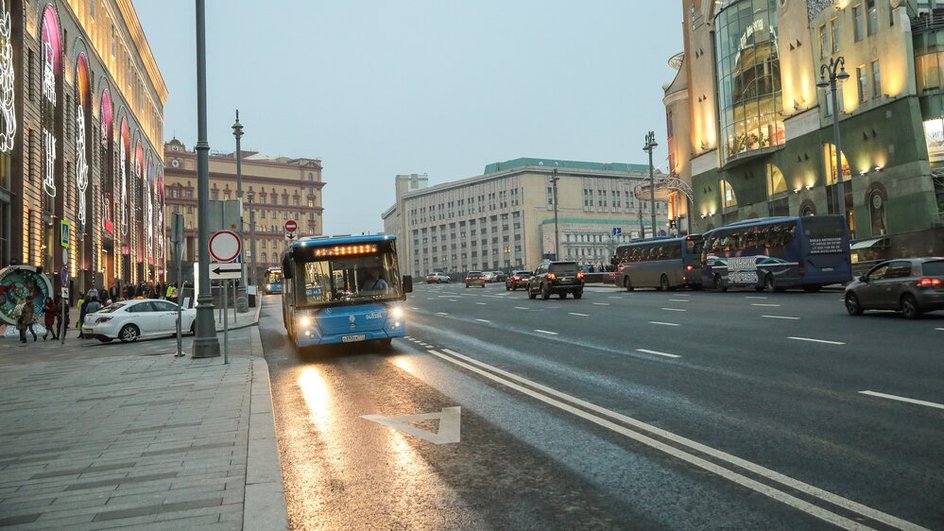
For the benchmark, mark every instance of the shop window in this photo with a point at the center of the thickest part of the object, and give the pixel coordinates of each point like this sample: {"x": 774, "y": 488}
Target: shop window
{"x": 728, "y": 198}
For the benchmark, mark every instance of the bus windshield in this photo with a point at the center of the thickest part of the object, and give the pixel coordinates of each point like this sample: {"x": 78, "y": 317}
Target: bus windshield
{"x": 274, "y": 276}
{"x": 348, "y": 280}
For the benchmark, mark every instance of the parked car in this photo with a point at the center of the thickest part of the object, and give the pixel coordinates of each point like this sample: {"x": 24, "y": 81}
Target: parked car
{"x": 139, "y": 318}
{"x": 517, "y": 279}
{"x": 437, "y": 277}
{"x": 475, "y": 278}
{"x": 558, "y": 278}
{"x": 498, "y": 276}
{"x": 909, "y": 285}
{"x": 489, "y": 276}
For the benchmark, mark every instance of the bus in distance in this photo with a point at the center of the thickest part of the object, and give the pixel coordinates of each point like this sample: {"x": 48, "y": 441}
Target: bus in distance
{"x": 343, "y": 289}
{"x": 777, "y": 253}
{"x": 662, "y": 263}
{"x": 273, "y": 280}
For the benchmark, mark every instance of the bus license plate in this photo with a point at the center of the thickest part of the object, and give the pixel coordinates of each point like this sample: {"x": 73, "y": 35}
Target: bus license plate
{"x": 354, "y": 338}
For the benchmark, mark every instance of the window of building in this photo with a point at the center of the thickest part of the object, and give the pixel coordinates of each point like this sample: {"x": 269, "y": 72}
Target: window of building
{"x": 214, "y": 194}
{"x": 823, "y": 42}
{"x": 834, "y": 34}
{"x": 873, "y": 17}
{"x": 858, "y": 21}
{"x": 876, "y": 80}
{"x": 861, "y": 82}
{"x": 188, "y": 193}
{"x": 776, "y": 184}
{"x": 891, "y": 11}
{"x": 728, "y": 198}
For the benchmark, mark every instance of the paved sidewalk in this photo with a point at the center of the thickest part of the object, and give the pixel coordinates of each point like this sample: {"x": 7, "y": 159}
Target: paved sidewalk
{"x": 97, "y": 436}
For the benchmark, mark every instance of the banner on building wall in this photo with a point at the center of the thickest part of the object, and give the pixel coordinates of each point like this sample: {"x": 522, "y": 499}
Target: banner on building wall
{"x": 108, "y": 222}
{"x": 7, "y": 96}
{"x": 934, "y": 137}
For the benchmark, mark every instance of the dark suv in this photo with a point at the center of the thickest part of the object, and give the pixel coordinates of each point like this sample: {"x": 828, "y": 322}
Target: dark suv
{"x": 560, "y": 278}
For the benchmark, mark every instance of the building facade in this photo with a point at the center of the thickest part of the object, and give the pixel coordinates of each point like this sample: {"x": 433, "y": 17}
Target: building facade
{"x": 505, "y": 218}
{"x": 81, "y": 112}
{"x": 751, "y": 132}
{"x": 275, "y": 189}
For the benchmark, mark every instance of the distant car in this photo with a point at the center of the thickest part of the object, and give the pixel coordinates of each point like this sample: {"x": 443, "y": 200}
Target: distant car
{"x": 139, "y": 318}
{"x": 437, "y": 277}
{"x": 517, "y": 279}
{"x": 911, "y": 286}
{"x": 498, "y": 276}
{"x": 558, "y": 278}
{"x": 475, "y": 278}
{"x": 489, "y": 276}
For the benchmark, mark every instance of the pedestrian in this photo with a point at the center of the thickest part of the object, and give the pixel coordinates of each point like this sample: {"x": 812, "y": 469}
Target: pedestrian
{"x": 50, "y": 312}
{"x": 171, "y": 292}
{"x": 92, "y": 293}
{"x": 91, "y": 307}
{"x": 60, "y": 328}
{"x": 82, "y": 306}
{"x": 27, "y": 315}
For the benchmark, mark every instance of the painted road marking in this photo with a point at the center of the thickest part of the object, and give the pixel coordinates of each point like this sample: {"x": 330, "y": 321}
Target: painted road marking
{"x": 441, "y": 313}
{"x": 612, "y": 297}
{"x": 481, "y": 303}
{"x": 680, "y": 300}
{"x": 765, "y": 305}
{"x": 446, "y": 433}
{"x": 548, "y": 332}
{"x": 817, "y": 340}
{"x": 755, "y": 297}
{"x": 521, "y": 307}
{"x": 940, "y": 329}
{"x": 657, "y": 353}
{"x": 411, "y": 307}
{"x": 675, "y": 309}
{"x": 595, "y": 414}
{"x": 483, "y": 320}
{"x": 786, "y": 317}
{"x": 579, "y": 314}
{"x": 601, "y": 303}
{"x": 903, "y": 399}
{"x": 664, "y": 324}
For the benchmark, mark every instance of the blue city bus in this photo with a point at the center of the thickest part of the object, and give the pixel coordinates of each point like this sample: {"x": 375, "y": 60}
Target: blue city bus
{"x": 777, "y": 253}
{"x": 343, "y": 289}
{"x": 273, "y": 280}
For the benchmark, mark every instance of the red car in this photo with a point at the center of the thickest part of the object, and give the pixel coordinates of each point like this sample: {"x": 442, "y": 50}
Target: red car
{"x": 517, "y": 279}
{"x": 475, "y": 277}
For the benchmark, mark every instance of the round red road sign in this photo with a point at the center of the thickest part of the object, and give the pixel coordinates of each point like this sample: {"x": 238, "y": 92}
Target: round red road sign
{"x": 291, "y": 226}
{"x": 225, "y": 246}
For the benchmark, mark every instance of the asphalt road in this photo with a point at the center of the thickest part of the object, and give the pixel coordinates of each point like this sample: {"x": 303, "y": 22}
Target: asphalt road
{"x": 647, "y": 410}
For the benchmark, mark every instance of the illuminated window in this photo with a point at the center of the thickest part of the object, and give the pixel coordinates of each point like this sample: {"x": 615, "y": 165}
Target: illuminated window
{"x": 861, "y": 82}
{"x": 776, "y": 184}
{"x": 876, "y": 80}
{"x": 728, "y": 198}
{"x": 830, "y": 161}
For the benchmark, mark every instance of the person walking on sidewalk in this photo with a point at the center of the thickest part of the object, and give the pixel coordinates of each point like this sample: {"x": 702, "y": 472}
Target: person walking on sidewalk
{"x": 81, "y": 306}
{"x": 50, "y": 312}
{"x": 60, "y": 327}
{"x": 90, "y": 307}
{"x": 27, "y": 315}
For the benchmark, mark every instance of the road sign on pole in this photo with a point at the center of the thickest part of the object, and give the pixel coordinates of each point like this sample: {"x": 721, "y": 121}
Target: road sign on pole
{"x": 617, "y": 231}
{"x": 225, "y": 271}
{"x": 225, "y": 246}
{"x": 290, "y": 227}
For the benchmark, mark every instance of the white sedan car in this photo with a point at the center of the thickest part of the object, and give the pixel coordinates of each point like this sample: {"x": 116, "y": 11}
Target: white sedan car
{"x": 133, "y": 319}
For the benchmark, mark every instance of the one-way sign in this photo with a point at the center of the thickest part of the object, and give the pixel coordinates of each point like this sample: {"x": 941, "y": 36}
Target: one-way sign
{"x": 225, "y": 271}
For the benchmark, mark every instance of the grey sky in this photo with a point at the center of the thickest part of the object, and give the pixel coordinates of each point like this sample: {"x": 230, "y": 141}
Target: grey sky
{"x": 377, "y": 88}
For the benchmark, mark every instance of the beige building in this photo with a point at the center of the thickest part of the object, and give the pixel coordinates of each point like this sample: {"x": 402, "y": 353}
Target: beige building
{"x": 505, "y": 218}
{"x": 81, "y": 122}
{"x": 275, "y": 190}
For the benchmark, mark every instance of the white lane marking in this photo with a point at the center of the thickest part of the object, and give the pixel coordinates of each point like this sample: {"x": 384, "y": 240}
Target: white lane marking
{"x": 429, "y": 299}
{"x": 824, "y": 495}
{"x": 612, "y": 297}
{"x": 785, "y": 317}
{"x": 903, "y": 399}
{"x": 548, "y": 332}
{"x": 481, "y": 303}
{"x": 940, "y": 329}
{"x": 817, "y": 340}
{"x": 447, "y": 430}
{"x": 675, "y": 309}
{"x": 657, "y": 353}
{"x": 483, "y": 320}
{"x": 680, "y": 300}
{"x": 411, "y": 307}
{"x": 521, "y": 308}
{"x": 755, "y": 297}
{"x": 579, "y": 314}
{"x": 664, "y": 324}
{"x": 441, "y": 313}
{"x": 765, "y": 305}
{"x": 601, "y": 303}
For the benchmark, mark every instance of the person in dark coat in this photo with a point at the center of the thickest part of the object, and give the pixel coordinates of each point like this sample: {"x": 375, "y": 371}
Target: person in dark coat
{"x": 50, "y": 312}
{"x": 26, "y": 319}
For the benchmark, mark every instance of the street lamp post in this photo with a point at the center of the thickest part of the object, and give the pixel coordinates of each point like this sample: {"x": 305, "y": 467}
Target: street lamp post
{"x": 650, "y": 145}
{"x": 205, "y": 342}
{"x": 828, "y": 78}
{"x": 242, "y": 303}
{"x": 554, "y": 179}
{"x": 252, "y": 240}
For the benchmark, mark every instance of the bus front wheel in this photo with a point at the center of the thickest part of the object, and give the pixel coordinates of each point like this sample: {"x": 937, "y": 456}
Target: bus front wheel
{"x": 769, "y": 285}
{"x": 628, "y": 284}
{"x": 719, "y": 284}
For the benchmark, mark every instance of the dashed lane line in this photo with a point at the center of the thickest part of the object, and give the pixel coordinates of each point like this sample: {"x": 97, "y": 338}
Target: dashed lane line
{"x": 442, "y": 313}
{"x": 483, "y": 320}
{"x": 548, "y": 332}
{"x": 784, "y": 317}
{"x": 903, "y": 399}
{"x": 481, "y": 303}
{"x": 579, "y": 314}
{"x": 662, "y": 323}
{"x": 755, "y": 297}
{"x": 657, "y": 353}
{"x": 765, "y": 305}
{"x": 522, "y": 308}
{"x": 680, "y": 300}
{"x": 812, "y": 340}
{"x": 601, "y": 304}
{"x": 675, "y": 309}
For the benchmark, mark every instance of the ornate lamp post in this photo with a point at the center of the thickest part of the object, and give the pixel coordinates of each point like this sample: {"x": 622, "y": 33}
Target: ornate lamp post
{"x": 554, "y": 179}
{"x": 252, "y": 239}
{"x": 242, "y": 303}
{"x": 648, "y": 147}
{"x": 828, "y": 78}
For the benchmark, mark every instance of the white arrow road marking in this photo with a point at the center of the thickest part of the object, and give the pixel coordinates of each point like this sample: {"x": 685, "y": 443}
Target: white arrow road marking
{"x": 447, "y": 433}
{"x": 686, "y": 450}
{"x": 903, "y": 399}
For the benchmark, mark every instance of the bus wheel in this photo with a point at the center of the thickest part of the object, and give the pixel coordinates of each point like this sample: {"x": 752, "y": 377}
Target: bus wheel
{"x": 719, "y": 284}
{"x": 386, "y": 342}
{"x": 664, "y": 283}
{"x": 769, "y": 285}
{"x": 628, "y": 284}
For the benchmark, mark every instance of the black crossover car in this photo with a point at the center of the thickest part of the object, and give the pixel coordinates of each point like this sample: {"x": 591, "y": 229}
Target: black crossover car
{"x": 558, "y": 278}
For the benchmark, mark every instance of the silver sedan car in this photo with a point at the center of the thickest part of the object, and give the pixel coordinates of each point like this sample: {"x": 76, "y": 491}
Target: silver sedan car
{"x": 909, "y": 285}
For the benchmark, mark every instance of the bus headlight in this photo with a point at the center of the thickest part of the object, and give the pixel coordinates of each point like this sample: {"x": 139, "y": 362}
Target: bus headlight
{"x": 396, "y": 313}
{"x": 304, "y": 321}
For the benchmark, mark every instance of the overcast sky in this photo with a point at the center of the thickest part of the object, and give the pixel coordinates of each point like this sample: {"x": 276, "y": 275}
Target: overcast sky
{"x": 379, "y": 88}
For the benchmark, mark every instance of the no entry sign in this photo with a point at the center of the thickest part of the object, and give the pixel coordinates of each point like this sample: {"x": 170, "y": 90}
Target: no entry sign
{"x": 291, "y": 226}
{"x": 225, "y": 246}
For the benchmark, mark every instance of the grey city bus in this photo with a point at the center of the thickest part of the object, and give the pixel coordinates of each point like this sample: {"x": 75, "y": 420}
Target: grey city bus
{"x": 664, "y": 263}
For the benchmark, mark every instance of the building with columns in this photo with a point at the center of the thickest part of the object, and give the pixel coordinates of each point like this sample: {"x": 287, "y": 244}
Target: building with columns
{"x": 275, "y": 189}
{"x": 751, "y": 132}
{"x": 81, "y": 121}
{"x": 505, "y": 218}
